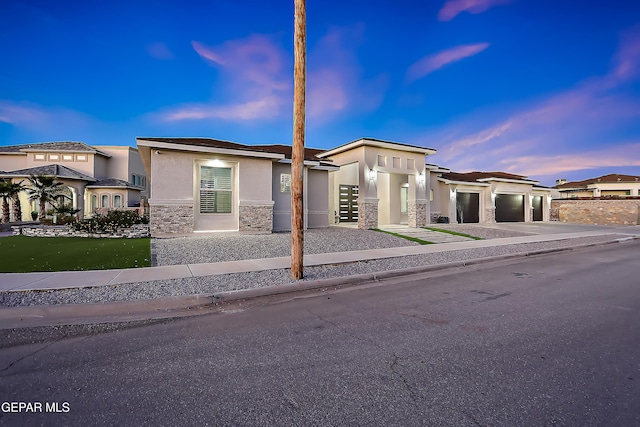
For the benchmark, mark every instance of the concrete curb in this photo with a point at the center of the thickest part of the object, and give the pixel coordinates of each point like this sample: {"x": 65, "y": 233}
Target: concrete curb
{"x": 143, "y": 311}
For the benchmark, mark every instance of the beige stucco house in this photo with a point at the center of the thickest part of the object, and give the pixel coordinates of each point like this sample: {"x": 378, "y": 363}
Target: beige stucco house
{"x": 486, "y": 197}
{"x": 604, "y": 186}
{"x": 379, "y": 182}
{"x": 95, "y": 177}
{"x": 204, "y": 184}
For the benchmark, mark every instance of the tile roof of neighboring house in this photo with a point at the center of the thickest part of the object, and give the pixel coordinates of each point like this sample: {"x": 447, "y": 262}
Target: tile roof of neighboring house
{"x": 55, "y": 170}
{"x": 112, "y": 182}
{"x": 610, "y": 178}
{"x": 477, "y": 176}
{"x": 309, "y": 153}
{"x": 52, "y": 146}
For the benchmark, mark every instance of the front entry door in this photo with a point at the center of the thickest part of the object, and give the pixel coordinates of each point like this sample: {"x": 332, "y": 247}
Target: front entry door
{"x": 348, "y": 203}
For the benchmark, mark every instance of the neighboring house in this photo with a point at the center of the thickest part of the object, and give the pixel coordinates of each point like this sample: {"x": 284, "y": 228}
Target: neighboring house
{"x": 94, "y": 177}
{"x": 379, "y": 182}
{"x": 603, "y": 186}
{"x": 487, "y": 197}
{"x": 204, "y": 184}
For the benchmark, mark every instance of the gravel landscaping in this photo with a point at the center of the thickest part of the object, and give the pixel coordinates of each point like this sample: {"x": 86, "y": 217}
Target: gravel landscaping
{"x": 217, "y": 247}
{"x": 339, "y": 241}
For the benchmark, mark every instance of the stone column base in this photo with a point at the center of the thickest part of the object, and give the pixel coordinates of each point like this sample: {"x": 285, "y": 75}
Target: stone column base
{"x": 368, "y": 214}
{"x": 170, "y": 219}
{"x": 417, "y": 214}
{"x": 256, "y": 218}
{"x": 490, "y": 215}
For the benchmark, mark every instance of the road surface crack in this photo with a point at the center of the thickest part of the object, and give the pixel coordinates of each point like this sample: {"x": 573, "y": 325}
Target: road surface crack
{"x": 394, "y": 361}
{"x": 27, "y": 355}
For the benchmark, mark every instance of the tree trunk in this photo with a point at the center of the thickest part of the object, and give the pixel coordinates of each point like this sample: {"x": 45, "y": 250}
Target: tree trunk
{"x": 43, "y": 210}
{"x": 5, "y": 209}
{"x": 17, "y": 208}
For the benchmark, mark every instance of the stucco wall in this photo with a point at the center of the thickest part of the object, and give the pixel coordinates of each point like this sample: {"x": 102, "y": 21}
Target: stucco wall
{"x": 317, "y": 199}
{"x": 282, "y": 200}
{"x": 174, "y": 184}
{"x": 601, "y": 212}
{"x": 11, "y": 162}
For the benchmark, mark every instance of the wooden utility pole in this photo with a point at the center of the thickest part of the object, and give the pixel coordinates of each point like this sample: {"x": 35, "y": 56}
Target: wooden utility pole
{"x": 297, "y": 152}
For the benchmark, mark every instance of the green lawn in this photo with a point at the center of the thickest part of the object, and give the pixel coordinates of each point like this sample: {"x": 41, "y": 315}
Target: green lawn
{"x": 21, "y": 254}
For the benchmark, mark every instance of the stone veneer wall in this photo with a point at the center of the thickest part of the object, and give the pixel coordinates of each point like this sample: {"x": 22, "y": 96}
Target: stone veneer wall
{"x": 597, "y": 211}
{"x": 490, "y": 215}
{"x": 171, "y": 219}
{"x": 257, "y": 218}
{"x": 367, "y": 214}
{"x": 135, "y": 232}
{"x": 417, "y": 213}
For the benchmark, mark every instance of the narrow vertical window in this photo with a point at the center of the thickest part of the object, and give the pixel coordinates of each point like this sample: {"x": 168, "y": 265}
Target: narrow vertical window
{"x": 105, "y": 201}
{"x": 404, "y": 199}
{"x": 94, "y": 202}
{"x": 215, "y": 190}
{"x": 117, "y": 201}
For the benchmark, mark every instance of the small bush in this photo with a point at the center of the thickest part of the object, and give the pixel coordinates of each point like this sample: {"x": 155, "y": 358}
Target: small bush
{"x": 108, "y": 223}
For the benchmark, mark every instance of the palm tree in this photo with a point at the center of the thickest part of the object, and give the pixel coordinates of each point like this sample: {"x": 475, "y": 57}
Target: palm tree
{"x": 5, "y": 186}
{"x": 15, "y": 189}
{"x": 44, "y": 189}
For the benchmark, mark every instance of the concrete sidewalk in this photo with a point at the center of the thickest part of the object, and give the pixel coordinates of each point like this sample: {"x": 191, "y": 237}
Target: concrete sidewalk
{"x": 67, "y": 320}
{"x": 79, "y": 279}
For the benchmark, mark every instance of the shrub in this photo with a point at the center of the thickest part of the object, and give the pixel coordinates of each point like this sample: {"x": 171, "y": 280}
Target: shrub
{"x": 110, "y": 222}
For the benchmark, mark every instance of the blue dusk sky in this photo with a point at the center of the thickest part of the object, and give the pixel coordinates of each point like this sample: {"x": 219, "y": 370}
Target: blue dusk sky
{"x": 544, "y": 88}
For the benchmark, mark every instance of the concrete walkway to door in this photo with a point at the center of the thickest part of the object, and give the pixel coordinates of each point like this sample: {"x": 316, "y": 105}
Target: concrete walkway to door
{"x": 423, "y": 234}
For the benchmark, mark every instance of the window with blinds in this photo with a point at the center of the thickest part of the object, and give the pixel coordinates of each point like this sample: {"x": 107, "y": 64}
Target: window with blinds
{"x": 215, "y": 190}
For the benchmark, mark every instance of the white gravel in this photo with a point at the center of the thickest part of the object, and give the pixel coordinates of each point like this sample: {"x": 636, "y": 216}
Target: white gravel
{"x": 217, "y": 247}
{"x": 177, "y": 250}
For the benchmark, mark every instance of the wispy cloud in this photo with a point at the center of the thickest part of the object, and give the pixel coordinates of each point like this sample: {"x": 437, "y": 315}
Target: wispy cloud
{"x": 436, "y": 61}
{"x": 453, "y": 8}
{"x": 255, "y": 80}
{"x": 160, "y": 51}
{"x": 335, "y": 81}
{"x": 540, "y": 138}
{"x": 556, "y": 165}
{"x": 34, "y": 116}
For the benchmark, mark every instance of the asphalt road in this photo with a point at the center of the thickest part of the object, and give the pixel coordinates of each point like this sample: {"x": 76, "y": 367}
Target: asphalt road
{"x": 550, "y": 340}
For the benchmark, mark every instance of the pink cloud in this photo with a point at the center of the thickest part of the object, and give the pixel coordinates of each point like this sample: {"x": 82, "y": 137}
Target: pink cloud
{"x": 436, "y": 61}
{"x": 452, "y": 8}
{"x": 627, "y": 57}
{"x": 29, "y": 115}
{"x": 334, "y": 80}
{"x": 555, "y": 165}
{"x": 250, "y": 110}
{"x": 564, "y": 132}
{"x": 255, "y": 80}
{"x": 160, "y": 51}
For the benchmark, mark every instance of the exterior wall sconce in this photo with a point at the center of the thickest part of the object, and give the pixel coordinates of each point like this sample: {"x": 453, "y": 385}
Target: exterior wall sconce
{"x": 421, "y": 178}
{"x": 372, "y": 175}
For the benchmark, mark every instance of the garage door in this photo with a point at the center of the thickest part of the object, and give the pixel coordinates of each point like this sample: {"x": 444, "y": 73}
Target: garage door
{"x": 537, "y": 208}
{"x": 468, "y": 207}
{"x": 509, "y": 208}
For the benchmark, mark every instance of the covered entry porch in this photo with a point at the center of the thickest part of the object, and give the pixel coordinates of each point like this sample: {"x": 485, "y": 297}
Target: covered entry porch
{"x": 379, "y": 183}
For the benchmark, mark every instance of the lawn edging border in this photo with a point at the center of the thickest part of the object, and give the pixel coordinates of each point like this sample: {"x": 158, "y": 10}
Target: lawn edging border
{"x": 136, "y": 231}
